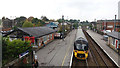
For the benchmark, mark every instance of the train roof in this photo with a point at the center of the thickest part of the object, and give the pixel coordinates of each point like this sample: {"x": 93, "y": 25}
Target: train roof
{"x": 80, "y": 35}
{"x": 81, "y": 41}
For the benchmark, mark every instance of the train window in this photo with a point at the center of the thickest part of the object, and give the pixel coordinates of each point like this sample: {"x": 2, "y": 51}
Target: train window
{"x": 81, "y": 47}
{"x": 78, "y": 46}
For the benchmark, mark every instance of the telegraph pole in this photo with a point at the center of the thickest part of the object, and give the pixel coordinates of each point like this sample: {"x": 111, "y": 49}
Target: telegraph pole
{"x": 115, "y": 23}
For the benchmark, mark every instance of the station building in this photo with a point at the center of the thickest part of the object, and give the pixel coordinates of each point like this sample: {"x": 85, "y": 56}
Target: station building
{"x": 36, "y": 35}
{"x": 114, "y": 40}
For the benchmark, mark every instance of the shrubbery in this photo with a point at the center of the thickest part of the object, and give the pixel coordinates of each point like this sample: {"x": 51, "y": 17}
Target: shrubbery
{"x": 12, "y": 49}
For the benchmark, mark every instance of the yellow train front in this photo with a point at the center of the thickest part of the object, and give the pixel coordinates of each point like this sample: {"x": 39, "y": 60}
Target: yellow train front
{"x": 80, "y": 49}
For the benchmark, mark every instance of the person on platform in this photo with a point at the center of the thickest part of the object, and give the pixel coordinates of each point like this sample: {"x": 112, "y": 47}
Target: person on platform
{"x": 35, "y": 64}
{"x": 119, "y": 49}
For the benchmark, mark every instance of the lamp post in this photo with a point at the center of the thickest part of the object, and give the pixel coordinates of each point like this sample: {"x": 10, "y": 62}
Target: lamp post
{"x": 63, "y": 25}
{"x": 115, "y": 23}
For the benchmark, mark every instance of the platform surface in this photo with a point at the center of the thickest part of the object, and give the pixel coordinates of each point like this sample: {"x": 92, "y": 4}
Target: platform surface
{"x": 109, "y": 51}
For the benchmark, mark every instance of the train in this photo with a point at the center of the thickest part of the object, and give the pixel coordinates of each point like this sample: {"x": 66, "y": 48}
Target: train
{"x": 80, "y": 46}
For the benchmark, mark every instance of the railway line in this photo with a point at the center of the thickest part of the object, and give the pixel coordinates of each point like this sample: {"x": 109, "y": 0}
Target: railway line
{"x": 97, "y": 57}
{"x": 79, "y": 63}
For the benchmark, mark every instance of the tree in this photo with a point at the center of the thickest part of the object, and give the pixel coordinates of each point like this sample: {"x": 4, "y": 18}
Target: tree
{"x": 44, "y": 18}
{"x": 59, "y": 20}
{"x": 35, "y": 20}
{"x": 27, "y": 24}
{"x": 19, "y": 21}
{"x": 75, "y": 25}
{"x": 12, "y": 49}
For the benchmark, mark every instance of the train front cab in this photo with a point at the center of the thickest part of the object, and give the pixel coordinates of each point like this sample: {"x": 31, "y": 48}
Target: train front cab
{"x": 81, "y": 54}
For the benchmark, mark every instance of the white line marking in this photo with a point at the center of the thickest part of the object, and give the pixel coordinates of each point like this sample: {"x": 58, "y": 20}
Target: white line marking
{"x": 71, "y": 60}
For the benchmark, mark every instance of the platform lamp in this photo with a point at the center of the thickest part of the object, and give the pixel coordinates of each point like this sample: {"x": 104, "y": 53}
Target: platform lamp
{"x": 63, "y": 25}
{"x": 115, "y": 23}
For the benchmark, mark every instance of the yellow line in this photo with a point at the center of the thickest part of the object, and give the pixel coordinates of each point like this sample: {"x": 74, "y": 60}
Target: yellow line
{"x": 65, "y": 56}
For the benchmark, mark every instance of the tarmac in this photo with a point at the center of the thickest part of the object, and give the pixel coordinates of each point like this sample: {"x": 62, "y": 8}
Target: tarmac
{"x": 115, "y": 57}
{"x": 58, "y": 52}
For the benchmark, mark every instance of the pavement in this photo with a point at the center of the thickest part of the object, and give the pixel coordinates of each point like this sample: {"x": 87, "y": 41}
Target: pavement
{"x": 58, "y": 52}
{"x": 109, "y": 51}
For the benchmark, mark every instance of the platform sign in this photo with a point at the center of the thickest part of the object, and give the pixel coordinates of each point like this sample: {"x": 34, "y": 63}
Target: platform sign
{"x": 23, "y": 54}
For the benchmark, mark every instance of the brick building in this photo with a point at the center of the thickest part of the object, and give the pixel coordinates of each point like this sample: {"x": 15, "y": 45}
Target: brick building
{"x": 108, "y": 25}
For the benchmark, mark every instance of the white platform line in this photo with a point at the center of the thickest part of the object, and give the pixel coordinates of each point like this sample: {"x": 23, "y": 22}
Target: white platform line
{"x": 71, "y": 60}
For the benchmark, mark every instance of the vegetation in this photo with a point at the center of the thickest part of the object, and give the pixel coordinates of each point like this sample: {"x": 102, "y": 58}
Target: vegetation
{"x": 37, "y": 22}
{"x": 12, "y": 49}
{"x": 44, "y": 18}
{"x": 75, "y": 25}
{"x": 19, "y": 21}
{"x": 27, "y": 24}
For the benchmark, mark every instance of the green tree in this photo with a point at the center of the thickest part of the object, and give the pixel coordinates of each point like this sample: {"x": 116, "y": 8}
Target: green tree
{"x": 59, "y": 20}
{"x": 35, "y": 20}
{"x": 19, "y": 21}
{"x": 44, "y": 18}
{"x": 12, "y": 49}
{"x": 27, "y": 24}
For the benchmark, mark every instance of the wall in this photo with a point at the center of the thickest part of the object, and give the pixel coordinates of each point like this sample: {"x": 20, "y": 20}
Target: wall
{"x": 112, "y": 40}
{"x": 110, "y": 25}
{"x": 46, "y": 39}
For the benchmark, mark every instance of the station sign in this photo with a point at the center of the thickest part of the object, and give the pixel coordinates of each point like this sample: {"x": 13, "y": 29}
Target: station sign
{"x": 23, "y": 54}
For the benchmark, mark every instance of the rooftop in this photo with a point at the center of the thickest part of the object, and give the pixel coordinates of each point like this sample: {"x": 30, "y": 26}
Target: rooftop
{"x": 37, "y": 31}
{"x": 114, "y": 34}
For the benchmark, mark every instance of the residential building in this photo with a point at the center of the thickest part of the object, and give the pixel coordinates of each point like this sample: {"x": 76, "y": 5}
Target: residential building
{"x": 108, "y": 25}
{"x": 7, "y": 24}
{"x": 52, "y": 25}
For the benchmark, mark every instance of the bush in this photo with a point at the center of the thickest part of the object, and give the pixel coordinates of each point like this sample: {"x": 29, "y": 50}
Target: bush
{"x": 12, "y": 49}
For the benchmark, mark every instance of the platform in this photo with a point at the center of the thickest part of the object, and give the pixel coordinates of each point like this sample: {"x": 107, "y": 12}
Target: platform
{"x": 109, "y": 51}
{"x": 58, "y": 52}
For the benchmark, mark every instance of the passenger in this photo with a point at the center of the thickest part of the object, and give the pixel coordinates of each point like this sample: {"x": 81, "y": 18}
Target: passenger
{"x": 119, "y": 49}
{"x": 35, "y": 64}
{"x": 43, "y": 43}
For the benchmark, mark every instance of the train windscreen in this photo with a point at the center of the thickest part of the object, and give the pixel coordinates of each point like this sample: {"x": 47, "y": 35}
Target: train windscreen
{"x": 81, "y": 47}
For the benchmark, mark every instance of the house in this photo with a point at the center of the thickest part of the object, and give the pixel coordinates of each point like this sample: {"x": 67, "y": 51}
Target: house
{"x": 113, "y": 40}
{"x": 108, "y": 25}
{"x": 7, "y": 23}
{"x": 36, "y": 35}
{"x": 52, "y": 25}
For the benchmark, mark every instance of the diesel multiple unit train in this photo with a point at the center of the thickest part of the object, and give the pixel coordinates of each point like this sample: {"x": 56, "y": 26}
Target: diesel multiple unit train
{"x": 80, "y": 46}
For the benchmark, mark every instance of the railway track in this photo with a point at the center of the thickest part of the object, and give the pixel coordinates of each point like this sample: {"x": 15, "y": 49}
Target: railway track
{"x": 79, "y": 63}
{"x": 100, "y": 58}
{"x": 97, "y": 57}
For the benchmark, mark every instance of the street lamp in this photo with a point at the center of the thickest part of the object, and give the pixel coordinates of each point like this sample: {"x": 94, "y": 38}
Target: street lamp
{"x": 63, "y": 25}
{"x": 115, "y": 23}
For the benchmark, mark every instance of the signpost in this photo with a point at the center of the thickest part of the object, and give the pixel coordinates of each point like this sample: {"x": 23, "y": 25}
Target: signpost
{"x": 23, "y": 54}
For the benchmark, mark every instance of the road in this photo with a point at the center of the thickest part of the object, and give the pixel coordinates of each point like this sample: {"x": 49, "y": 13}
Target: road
{"x": 58, "y": 52}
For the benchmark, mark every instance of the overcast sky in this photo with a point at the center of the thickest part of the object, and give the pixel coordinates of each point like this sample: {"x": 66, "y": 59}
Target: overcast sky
{"x": 54, "y": 9}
